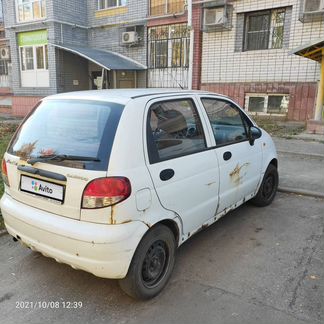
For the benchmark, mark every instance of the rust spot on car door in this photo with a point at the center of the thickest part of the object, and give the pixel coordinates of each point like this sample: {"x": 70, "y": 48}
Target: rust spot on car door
{"x": 236, "y": 175}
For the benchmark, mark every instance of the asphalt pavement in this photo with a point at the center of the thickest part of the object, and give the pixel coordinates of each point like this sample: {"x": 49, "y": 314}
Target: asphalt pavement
{"x": 255, "y": 265}
{"x": 301, "y": 166}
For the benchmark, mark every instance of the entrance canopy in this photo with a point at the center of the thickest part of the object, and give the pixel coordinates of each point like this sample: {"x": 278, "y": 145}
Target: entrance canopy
{"x": 315, "y": 51}
{"x": 312, "y": 50}
{"x": 106, "y": 59}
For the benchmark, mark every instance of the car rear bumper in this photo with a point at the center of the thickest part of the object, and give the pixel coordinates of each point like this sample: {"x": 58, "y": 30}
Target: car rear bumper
{"x": 104, "y": 250}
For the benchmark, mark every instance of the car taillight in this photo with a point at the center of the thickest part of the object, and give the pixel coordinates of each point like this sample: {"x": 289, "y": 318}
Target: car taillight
{"x": 104, "y": 192}
{"x": 4, "y": 172}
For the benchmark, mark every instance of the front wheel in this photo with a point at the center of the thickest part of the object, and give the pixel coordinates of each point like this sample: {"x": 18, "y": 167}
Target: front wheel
{"x": 152, "y": 264}
{"x": 268, "y": 188}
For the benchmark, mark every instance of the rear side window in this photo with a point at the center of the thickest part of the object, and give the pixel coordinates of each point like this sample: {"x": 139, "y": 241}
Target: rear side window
{"x": 226, "y": 120}
{"x": 174, "y": 129}
{"x": 69, "y": 127}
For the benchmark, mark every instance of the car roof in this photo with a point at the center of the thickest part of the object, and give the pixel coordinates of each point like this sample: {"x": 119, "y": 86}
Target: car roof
{"x": 122, "y": 96}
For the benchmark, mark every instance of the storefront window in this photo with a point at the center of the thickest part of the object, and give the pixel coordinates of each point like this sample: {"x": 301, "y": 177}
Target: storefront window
{"x": 34, "y": 58}
{"x": 27, "y": 58}
{"x": 40, "y": 57}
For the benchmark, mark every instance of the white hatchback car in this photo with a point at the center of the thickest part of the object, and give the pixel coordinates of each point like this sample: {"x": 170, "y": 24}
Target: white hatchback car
{"x": 113, "y": 181}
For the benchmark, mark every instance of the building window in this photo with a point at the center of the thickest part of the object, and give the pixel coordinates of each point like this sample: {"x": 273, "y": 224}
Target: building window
{"x": 3, "y": 67}
{"x": 31, "y": 10}
{"x": 267, "y": 103}
{"x": 169, "y": 46}
{"x": 104, "y": 4}
{"x": 264, "y": 29}
{"x": 33, "y": 51}
{"x": 165, "y": 7}
{"x": 34, "y": 58}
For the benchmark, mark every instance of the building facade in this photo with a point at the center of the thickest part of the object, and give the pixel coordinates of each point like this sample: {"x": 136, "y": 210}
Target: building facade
{"x": 5, "y": 62}
{"x": 247, "y": 54}
{"x": 59, "y": 46}
{"x": 168, "y": 57}
{"x": 241, "y": 48}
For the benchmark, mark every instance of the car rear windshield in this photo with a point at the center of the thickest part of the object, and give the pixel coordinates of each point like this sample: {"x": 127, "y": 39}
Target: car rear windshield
{"x": 71, "y": 128}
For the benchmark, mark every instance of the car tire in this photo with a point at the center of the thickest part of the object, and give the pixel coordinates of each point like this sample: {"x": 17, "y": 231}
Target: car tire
{"x": 152, "y": 264}
{"x": 268, "y": 188}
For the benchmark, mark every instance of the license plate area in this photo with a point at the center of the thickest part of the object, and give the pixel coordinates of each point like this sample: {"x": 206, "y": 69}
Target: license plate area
{"x": 42, "y": 188}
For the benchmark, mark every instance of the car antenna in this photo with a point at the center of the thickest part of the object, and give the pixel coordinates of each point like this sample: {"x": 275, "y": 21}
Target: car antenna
{"x": 174, "y": 79}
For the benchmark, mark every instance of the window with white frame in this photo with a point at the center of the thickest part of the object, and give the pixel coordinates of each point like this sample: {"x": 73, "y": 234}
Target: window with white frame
{"x": 34, "y": 57}
{"x": 104, "y": 4}
{"x": 34, "y": 66}
{"x": 28, "y": 10}
{"x": 264, "y": 29}
{"x": 267, "y": 103}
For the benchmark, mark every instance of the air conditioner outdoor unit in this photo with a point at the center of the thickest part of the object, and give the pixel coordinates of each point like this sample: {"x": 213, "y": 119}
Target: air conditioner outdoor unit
{"x": 312, "y": 6}
{"x": 4, "y": 53}
{"x": 214, "y": 16}
{"x": 130, "y": 37}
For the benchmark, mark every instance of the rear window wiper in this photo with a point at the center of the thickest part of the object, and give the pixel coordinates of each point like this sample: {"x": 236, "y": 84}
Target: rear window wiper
{"x": 61, "y": 157}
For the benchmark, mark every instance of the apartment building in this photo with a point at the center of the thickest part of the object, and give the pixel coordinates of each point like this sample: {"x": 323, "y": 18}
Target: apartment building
{"x": 59, "y": 46}
{"x": 241, "y": 48}
{"x": 247, "y": 54}
{"x": 5, "y": 78}
{"x": 168, "y": 58}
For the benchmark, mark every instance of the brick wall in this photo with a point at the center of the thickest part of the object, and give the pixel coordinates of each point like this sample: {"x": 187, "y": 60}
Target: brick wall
{"x": 5, "y": 91}
{"x": 167, "y": 20}
{"x": 22, "y": 105}
{"x": 109, "y": 25}
{"x": 224, "y": 61}
{"x": 5, "y": 110}
{"x": 197, "y": 52}
{"x": 302, "y": 95}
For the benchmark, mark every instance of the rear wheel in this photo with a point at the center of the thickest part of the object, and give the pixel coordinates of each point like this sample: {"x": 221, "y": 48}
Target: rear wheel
{"x": 152, "y": 264}
{"x": 268, "y": 188}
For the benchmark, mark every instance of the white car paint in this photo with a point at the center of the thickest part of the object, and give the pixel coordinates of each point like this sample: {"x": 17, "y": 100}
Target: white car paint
{"x": 103, "y": 241}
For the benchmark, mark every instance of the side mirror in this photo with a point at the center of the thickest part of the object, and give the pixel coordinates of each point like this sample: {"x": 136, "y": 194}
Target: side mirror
{"x": 254, "y": 133}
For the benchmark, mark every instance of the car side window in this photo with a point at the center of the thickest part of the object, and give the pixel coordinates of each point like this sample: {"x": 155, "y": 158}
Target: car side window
{"x": 174, "y": 129}
{"x": 226, "y": 121}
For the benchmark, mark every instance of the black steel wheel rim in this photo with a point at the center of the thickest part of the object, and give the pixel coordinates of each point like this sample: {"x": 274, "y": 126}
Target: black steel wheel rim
{"x": 269, "y": 186}
{"x": 155, "y": 264}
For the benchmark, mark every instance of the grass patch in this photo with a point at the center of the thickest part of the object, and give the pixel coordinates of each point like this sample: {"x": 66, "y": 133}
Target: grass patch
{"x": 279, "y": 128}
{"x": 6, "y": 132}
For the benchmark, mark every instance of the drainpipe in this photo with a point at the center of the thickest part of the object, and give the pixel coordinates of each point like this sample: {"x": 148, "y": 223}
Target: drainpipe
{"x": 191, "y": 44}
{"x": 320, "y": 92}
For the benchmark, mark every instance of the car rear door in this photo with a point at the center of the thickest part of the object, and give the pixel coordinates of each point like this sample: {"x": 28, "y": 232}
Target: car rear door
{"x": 184, "y": 172}
{"x": 239, "y": 161}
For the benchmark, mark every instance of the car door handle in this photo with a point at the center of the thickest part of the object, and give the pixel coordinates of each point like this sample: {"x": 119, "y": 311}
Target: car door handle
{"x": 227, "y": 155}
{"x": 166, "y": 174}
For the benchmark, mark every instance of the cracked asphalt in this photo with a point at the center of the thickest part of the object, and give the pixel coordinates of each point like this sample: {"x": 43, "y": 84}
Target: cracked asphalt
{"x": 255, "y": 265}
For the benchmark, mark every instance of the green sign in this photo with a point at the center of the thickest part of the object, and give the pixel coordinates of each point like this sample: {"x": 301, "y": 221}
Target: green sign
{"x": 36, "y": 37}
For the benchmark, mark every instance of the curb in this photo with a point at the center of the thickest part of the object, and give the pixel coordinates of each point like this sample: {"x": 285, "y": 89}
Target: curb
{"x": 302, "y": 192}
{"x": 311, "y": 155}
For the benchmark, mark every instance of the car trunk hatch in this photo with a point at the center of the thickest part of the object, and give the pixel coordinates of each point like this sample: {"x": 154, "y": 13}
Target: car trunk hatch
{"x": 58, "y": 150}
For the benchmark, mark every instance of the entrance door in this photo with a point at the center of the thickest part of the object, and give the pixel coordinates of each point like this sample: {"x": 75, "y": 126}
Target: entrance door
{"x": 125, "y": 79}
